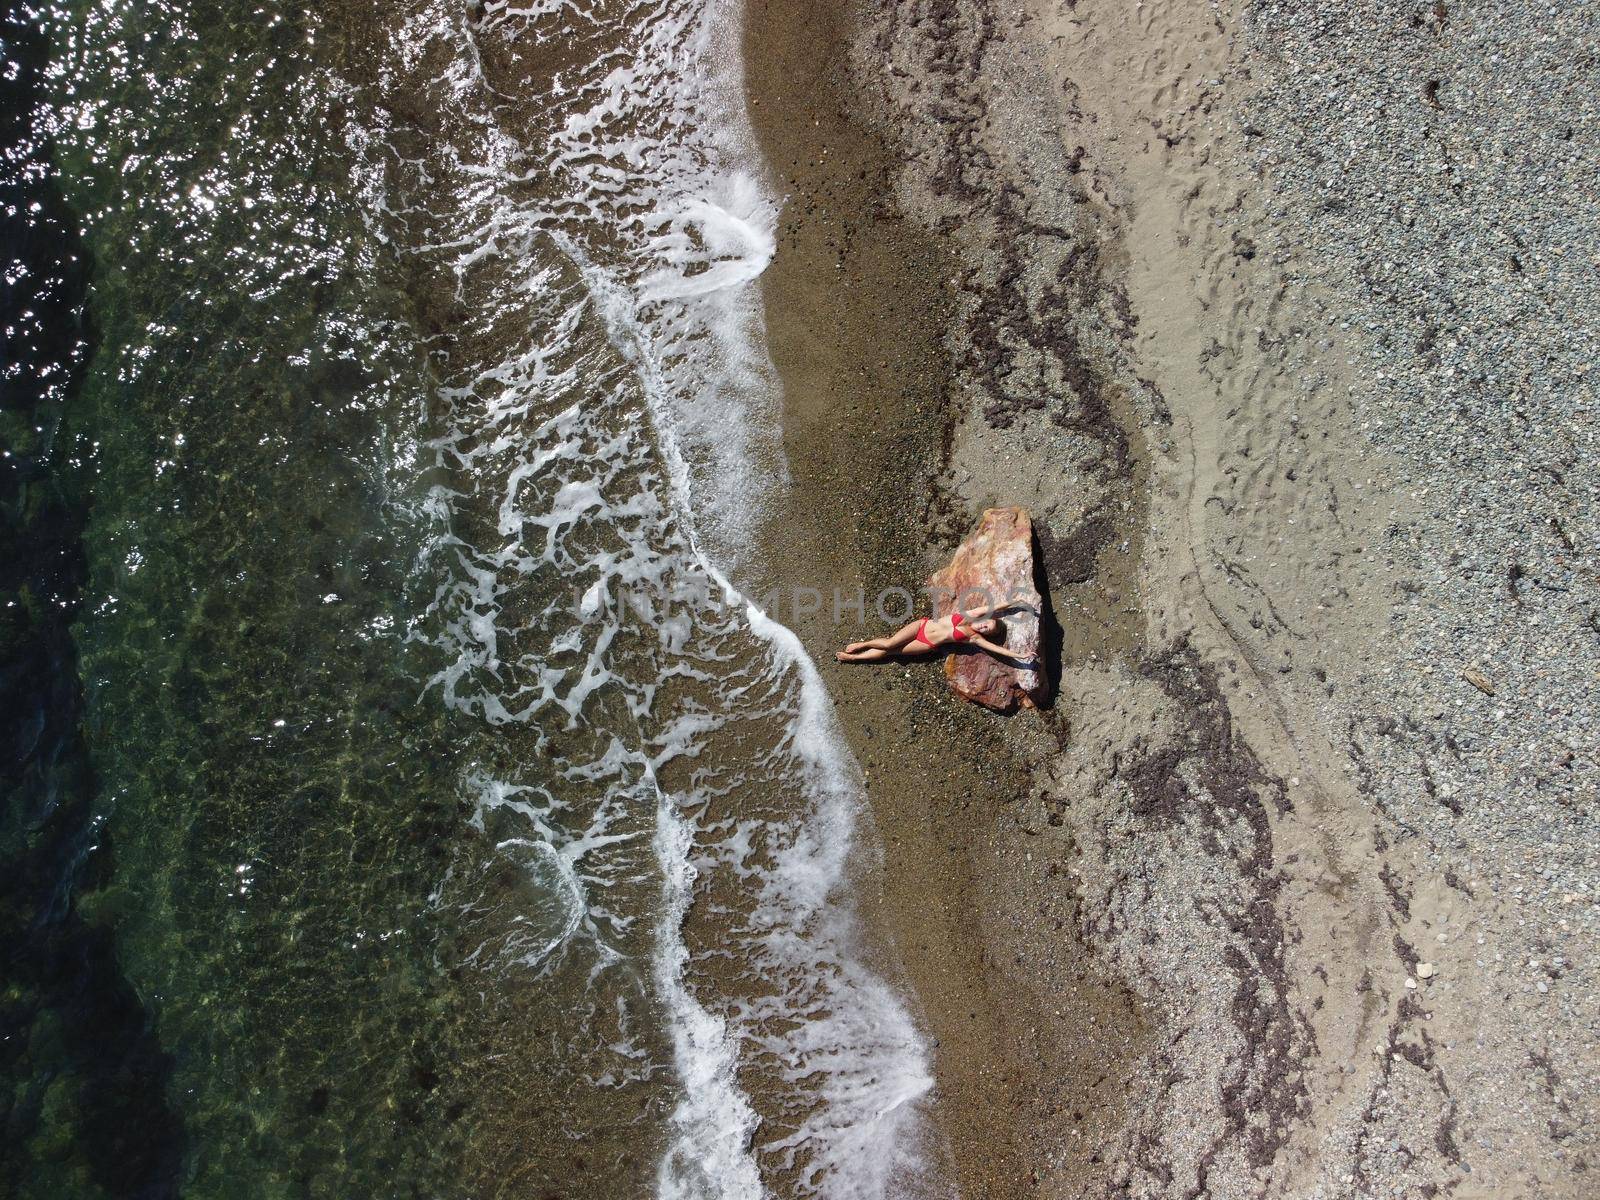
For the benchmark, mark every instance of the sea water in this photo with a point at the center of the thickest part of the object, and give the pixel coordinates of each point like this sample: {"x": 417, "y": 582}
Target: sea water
{"x": 465, "y": 829}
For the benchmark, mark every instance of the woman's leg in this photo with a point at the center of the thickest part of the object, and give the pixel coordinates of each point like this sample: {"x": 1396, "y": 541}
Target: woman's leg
{"x": 868, "y": 654}
{"x": 889, "y": 641}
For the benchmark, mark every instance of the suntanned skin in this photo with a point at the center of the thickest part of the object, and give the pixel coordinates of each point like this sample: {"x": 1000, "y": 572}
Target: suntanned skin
{"x": 976, "y": 624}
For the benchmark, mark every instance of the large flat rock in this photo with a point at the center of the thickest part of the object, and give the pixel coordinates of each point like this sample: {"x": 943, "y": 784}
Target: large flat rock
{"x": 996, "y": 561}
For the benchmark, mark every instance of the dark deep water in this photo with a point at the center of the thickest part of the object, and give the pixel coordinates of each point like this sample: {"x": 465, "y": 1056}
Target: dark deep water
{"x": 224, "y": 813}
{"x": 83, "y": 1104}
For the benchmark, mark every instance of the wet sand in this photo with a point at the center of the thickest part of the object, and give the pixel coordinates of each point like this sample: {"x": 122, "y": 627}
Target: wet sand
{"x": 858, "y": 308}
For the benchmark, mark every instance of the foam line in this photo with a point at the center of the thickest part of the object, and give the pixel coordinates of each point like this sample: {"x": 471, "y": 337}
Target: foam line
{"x": 620, "y": 440}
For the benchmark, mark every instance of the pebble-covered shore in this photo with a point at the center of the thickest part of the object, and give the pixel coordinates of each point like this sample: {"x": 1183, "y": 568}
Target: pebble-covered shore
{"x": 1433, "y": 167}
{"x": 1280, "y": 318}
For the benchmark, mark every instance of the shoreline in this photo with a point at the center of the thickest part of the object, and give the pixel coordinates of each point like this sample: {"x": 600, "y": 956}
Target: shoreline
{"x": 840, "y": 258}
{"x": 867, "y": 431}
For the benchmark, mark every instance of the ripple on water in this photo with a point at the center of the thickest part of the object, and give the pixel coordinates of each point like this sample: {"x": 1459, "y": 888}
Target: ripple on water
{"x": 469, "y": 826}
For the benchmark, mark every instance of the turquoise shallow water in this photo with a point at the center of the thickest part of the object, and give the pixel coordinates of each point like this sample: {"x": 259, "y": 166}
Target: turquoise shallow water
{"x": 390, "y": 813}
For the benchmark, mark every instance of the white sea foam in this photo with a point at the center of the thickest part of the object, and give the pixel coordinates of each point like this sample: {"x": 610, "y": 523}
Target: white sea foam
{"x": 609, "y": 425}
{"x": 713, "y": 1122}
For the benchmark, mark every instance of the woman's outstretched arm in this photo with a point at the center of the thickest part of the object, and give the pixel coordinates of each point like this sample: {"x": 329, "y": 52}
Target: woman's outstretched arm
{"x": 995, "y": 648}
{"x": 984, "y": 610}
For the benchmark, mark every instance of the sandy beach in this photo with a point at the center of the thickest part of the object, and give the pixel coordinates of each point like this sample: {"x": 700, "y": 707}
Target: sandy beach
{"x": 446, "y": 445}
{"x": 1280, "y": 319}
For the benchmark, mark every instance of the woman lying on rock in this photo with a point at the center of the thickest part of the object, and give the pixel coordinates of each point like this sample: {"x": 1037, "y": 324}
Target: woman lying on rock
{"x": 928, "y": 634}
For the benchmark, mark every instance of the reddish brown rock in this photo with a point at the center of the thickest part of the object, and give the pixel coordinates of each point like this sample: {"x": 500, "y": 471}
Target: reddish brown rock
{"x": 993, "y": 565}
